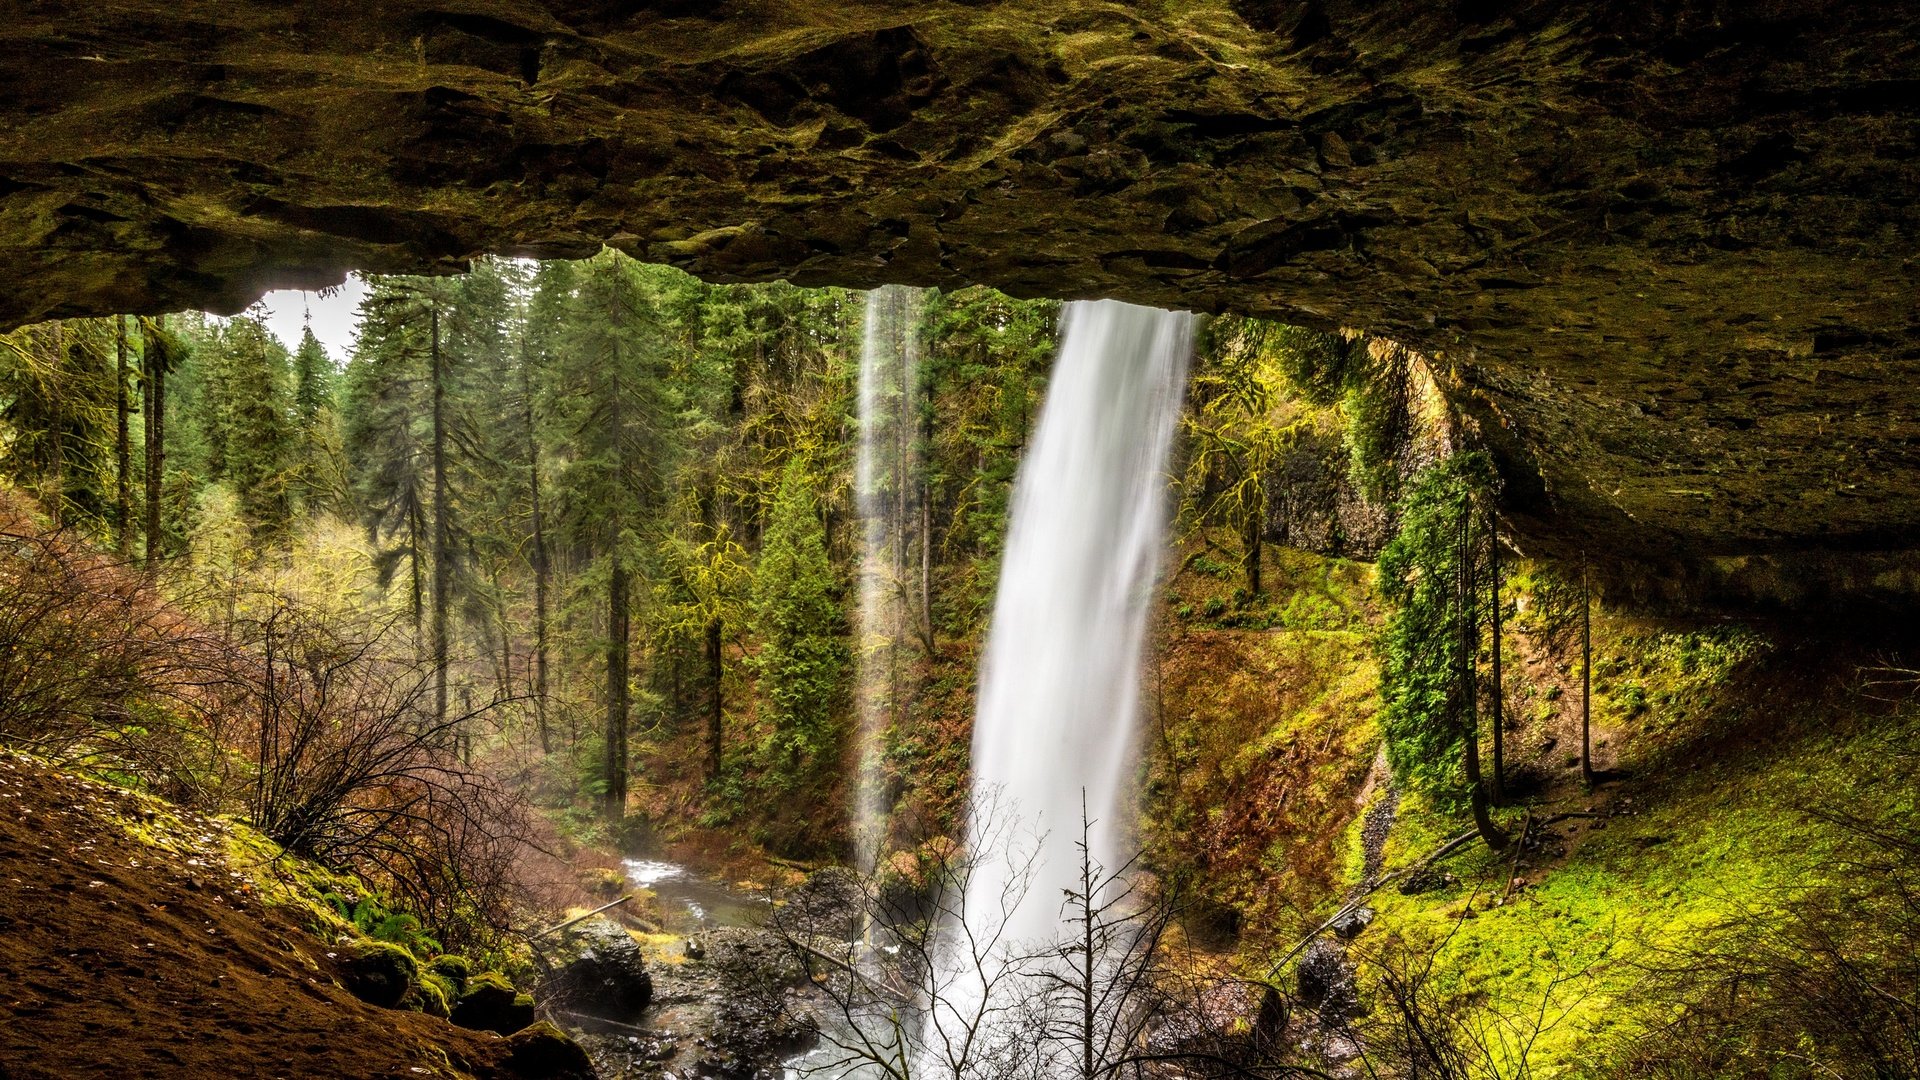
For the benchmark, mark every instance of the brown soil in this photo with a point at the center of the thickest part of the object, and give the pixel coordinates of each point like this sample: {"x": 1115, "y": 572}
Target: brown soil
{"x": 123, "y": 960}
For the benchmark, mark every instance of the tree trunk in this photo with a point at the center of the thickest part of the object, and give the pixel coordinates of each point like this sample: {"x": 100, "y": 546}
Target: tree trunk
{"x": 1254, "y": 529}
{"x": 1470, "y": 692}
{"x": 1499, "y": 788}
{"x": 442, "y": 540}
{"x": 414, "y": 528}
{"x": 618, "y": 629}
{"x": 1586, "y": 678}
{"x": 540, "y": 566}
{"x": 56, "y": 433}
{"x": 122, "y": 446}
{"x": 926, "y": 570}
{"x": 716, "y": 714}
{"x": 153, "y": 399}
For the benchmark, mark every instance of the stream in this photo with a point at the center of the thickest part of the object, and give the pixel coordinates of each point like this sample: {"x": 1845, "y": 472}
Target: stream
{"x": 690, "y": 903}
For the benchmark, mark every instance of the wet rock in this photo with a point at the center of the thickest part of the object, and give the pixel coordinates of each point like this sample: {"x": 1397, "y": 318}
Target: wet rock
{"x": 739, "y": 1012}
{"x": 602, "y": 974}
{"x": 831, "y": 903}
{"x": 1348, "y": 926}
{"x": 1324, "y": 981}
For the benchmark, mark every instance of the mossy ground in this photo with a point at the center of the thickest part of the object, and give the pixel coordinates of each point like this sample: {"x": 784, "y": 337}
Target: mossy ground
{"x": 144, "y": 939}
{"x": 1713, "y": 738}
{"x": 1261, "y": 734}
{"x": 1721, "y": 738}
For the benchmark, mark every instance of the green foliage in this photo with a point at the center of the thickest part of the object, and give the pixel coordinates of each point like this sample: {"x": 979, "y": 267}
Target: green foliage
{"x": 1372, "y": 383}
{"x": 803, "y": 661}
{"x": 986, "y": 358}
{"x": 1421, "y": 643}
{"x": 372, "y": 918}
{"x": 57, "y": 402}
{"x": 246, "y": 418}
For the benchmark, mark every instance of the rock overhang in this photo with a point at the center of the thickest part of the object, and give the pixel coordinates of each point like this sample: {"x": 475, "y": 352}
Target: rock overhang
{"x": 1662, "y": 253}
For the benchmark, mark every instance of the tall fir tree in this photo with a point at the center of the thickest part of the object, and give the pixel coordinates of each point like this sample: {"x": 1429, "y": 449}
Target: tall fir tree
{"x": 612, "y": 397}
{"x": 803, "y": 660}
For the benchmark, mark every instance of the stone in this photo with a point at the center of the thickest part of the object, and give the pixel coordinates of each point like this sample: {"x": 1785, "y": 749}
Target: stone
{"x": 1348, "y": 926}
{"x": 378, "y": 973}
{"x": 544, "y": 1052}
{"x": 603, "y": 973}
{"x": 488, "y": 1002}
{"x": 1660, "y": 257}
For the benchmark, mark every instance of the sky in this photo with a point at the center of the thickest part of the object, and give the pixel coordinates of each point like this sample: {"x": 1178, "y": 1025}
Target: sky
{"x": 333, "y": 317}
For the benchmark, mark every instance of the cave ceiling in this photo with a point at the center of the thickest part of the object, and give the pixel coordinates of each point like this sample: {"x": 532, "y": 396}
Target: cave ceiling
{"x": 1662, "y": 253}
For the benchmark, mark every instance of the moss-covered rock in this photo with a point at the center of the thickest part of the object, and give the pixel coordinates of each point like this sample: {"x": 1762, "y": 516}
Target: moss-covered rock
{"x": 432, "y": 995}
{"x": 544, "y": 1052}
{"x": 378, "y": 973}
{"x": 603, "y": 881}
{"x": 490, "y": 1003}
{"x": 456, "y": 970}
{"x": 603, "y": 972}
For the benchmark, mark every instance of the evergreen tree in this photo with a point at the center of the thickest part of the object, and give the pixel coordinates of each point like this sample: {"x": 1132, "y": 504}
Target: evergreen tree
{"x": 1428, "y": 667}
{"x": 803, "y": 661}
{"x": 247, "y": 422}
{"x": 387, "y": 431}
{"x": 57, "y": 395}
{"x": 611, "y": 397}
{"x": 312, "y": 378}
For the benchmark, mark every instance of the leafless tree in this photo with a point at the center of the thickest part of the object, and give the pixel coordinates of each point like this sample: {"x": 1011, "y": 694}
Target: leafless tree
{"x": 934, "y": 990}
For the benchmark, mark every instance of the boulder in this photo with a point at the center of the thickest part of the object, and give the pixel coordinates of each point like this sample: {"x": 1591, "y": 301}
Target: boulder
{"x": 1348, "y": 925}
{"x": 378, "y": 973}
{"x": 490, "y": 1003}
{"x": 1325, "y": 981}
{"x": 602, "y": 973}
{"x": 544, "y": 1052}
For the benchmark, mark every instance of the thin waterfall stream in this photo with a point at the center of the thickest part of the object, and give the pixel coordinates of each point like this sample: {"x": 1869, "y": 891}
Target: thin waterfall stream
{"x": 887, "y": 494}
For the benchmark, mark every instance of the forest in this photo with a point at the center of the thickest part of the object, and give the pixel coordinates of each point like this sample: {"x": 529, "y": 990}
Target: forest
{"x": 582, "y": 595}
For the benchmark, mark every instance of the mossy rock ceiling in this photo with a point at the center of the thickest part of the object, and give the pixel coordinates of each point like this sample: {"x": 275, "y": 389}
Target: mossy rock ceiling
{"x": 1664, "y": 251}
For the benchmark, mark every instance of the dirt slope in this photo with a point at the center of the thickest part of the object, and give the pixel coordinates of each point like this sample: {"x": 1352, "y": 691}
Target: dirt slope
{"x": 118, "y": 958}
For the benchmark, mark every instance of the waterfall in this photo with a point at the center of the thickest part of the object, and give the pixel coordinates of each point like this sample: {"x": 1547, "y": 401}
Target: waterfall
{"x": 1059, "y": 684}
{"x": 887, "y": 496}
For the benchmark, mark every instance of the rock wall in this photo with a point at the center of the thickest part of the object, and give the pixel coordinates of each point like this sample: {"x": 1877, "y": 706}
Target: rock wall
{"x": 1663, "y": 252}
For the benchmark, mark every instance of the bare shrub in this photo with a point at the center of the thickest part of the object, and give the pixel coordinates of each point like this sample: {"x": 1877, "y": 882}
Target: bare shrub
{"x": 318, "y": 728}
{"x": 933, "y": 990}
{"x": 96, "y": 668}
{"x": 346, "y": 764}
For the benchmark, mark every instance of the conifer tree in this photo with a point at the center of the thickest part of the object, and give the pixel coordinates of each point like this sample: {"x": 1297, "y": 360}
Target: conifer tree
{"x": 611, "y": 397}
{"x": 387, "y": 434}
{"x": 247, "y": 422}
{"x": 803, "y": 661}
{"x": 312, "y": 378}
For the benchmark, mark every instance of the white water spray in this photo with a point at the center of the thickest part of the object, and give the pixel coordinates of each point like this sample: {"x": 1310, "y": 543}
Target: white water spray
{"x": 887, "y": 495}
{"x": 1059, "y": 685}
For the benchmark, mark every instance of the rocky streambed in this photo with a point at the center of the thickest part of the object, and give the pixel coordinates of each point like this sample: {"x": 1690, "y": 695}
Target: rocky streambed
{"x": 724, "y": 999}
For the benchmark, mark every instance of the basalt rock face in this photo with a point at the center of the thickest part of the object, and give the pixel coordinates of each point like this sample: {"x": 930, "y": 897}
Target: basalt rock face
{"x": 1663, "y": 252}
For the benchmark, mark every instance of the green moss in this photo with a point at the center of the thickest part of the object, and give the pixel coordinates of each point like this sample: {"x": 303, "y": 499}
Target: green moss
{"x": 456, "y": 970}
{"x": 490, "y": 1003}
{"x": 432, "y": 995}
{"x": 1701, "y": 839}
{"x": 545, "y": 1050}
{"x": 379, "y": 973}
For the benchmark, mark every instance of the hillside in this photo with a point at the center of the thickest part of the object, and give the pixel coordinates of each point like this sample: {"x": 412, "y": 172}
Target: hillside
{"x": 139, "y": 940}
